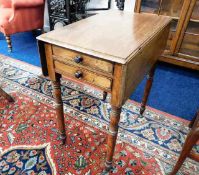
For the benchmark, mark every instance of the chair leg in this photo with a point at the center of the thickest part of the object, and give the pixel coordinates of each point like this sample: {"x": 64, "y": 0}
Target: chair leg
{"x": 6, "y": 96}
{"x": 195, "y": 120}
{"x": 190, "y": 141}
{"x": 8, "y": 40}
{"x": 34, "y": 33}
{"x": 147, "y": 89}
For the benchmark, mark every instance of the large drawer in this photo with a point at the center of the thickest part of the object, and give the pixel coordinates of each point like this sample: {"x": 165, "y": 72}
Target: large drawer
{"x": 83, "y": 75}
{"x": 64, "y": 55}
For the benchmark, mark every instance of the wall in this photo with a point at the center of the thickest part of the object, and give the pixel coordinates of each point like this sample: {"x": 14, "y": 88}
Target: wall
{"x": 129, "y": 6}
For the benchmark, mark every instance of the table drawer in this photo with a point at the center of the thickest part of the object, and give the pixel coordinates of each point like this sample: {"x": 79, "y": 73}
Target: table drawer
{"x": 82, "y": 74}
{"x": 64, "y": 55}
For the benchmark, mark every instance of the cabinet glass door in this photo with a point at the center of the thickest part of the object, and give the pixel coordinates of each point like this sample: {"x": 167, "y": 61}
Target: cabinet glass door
{"x": 171, "y": 7}
{"x": 190, "y": 43}
{"x": 195, "y": 14}
{"x": 163, "y": 7}
{"x": 171, "y": 33}
{"x": 150, "y": 6}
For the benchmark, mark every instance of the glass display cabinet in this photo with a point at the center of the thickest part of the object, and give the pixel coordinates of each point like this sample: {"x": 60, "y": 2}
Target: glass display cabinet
{"x": 183, "y": 43}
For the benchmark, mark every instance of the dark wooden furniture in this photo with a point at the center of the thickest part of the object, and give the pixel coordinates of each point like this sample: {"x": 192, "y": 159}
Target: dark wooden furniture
{"x": 120, "y": 4}
{"x": 64, "y": 12}
{"x": 191, "y": 140}
{"x": 183, "y": 43}
{"x": 112, "y": 51}
{"x": 5, "y": 95}
{"x": 58, "y": 12}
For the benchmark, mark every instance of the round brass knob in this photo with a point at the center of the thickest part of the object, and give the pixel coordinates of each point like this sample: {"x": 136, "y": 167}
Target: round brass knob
{"x": 78, "y": 74}
{"x": 78, "y": 59}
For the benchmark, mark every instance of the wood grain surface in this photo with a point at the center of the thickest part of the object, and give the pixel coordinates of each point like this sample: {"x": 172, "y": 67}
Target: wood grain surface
{"x": 112, "y": 35}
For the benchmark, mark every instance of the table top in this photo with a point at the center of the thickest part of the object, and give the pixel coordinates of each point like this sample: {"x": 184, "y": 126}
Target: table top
{"x": 113, "y": 35}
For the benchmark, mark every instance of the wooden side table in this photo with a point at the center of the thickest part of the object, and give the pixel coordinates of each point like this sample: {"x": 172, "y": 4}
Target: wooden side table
{"x": 112, "y": 51}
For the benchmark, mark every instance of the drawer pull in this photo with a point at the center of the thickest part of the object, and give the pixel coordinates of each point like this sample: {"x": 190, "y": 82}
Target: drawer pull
{"x": 78, "y": 59}
{"x": 78, "y": 74}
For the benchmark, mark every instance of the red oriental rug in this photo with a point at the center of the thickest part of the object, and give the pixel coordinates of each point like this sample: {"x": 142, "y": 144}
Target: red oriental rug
{"x": 30, "y": 144}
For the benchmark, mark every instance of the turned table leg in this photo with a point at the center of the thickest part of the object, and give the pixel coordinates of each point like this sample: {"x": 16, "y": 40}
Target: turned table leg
{"x": 112, "y": 136}
{"x": 147, "y": 89}
{"x": 59, "y": 108}
{"x": 6, "y": 96}
{"x": 8, "y": 40}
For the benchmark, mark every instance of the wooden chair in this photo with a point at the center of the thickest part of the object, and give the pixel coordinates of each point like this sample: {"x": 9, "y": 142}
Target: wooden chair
{"x": 193, "y": 135}
{"x": 5, "y": 95}
{"x": 190, "y": 141}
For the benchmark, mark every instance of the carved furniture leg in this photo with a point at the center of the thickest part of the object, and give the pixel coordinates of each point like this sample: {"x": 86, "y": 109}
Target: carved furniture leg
{"x": 6, "y": 96}
{"x": 147, "y": 89}
{"x": 34, "y": 33}
{"x": 112, "y": 136}
{"x": 59, "y": 108}
{"x": 8, "y": 40}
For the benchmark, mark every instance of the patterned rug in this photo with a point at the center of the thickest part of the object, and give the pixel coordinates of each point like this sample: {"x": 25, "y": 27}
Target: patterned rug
{"x": 29, "y": 143}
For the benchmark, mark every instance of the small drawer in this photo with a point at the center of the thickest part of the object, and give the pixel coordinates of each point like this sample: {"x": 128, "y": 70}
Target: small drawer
{"x": 82, "y": 74}
{"x": 64, "y": 55}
